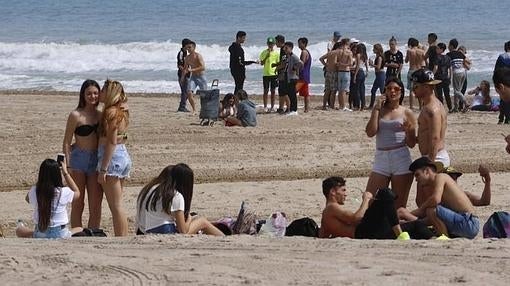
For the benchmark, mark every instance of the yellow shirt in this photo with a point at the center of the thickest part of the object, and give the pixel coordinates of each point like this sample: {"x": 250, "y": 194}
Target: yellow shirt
{"x": 274, "y": 57}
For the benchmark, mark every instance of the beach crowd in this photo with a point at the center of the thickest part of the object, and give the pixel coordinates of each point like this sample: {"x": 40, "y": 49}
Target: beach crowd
{"x": 95, "y": 161}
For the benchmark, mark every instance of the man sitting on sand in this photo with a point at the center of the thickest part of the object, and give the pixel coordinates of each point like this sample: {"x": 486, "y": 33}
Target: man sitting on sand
{"x": 246, "y": 114}
{"x": 377, "y": 220}
{"x": 446, "y": 207}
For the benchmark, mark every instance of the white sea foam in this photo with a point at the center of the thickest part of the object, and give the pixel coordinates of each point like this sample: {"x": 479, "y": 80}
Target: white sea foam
{"x": 145, "y": 66}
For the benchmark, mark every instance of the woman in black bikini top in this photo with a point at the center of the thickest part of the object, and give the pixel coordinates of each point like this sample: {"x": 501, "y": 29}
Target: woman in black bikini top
{"x": 81, "y": 155}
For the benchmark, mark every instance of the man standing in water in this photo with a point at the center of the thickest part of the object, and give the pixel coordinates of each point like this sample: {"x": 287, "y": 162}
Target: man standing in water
{"x": 237, "y": 62}
{"x": 432, "y": 118}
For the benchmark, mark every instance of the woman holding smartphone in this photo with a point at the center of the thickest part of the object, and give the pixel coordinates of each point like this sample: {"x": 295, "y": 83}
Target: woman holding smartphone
{"x": 81, "y": 155}
{"x": 114, "y": 162}
{"x": 395, "y": 129}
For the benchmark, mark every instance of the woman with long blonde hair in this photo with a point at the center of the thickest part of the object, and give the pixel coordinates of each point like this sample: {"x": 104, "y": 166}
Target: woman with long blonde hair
{"x": 114, "y": 162}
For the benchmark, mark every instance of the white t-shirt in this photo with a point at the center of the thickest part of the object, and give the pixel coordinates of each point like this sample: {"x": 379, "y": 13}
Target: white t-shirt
{"x": 149, "y": 219}
{"x": 58, "y": 208}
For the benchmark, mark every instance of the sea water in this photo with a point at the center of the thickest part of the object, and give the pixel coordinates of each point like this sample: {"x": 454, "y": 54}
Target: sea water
{"x": 55, "y": 45}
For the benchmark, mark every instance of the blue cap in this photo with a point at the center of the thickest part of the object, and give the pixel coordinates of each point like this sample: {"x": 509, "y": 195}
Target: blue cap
{"x": 337, "y": 34}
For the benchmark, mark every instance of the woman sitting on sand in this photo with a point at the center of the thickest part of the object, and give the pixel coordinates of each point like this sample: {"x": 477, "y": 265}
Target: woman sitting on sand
{"x": 482, "y": 97}
{"x": 81, "y": 156}
{"x": 163, "y": 205}
{"x": 114, "y": 162}
{"x": 50, "y": 198}
{"x": 394, "y": 128}
{"x": 228, "y": 107}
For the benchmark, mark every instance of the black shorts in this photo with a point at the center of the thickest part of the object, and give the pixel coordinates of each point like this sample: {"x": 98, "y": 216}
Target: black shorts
{"x": 272, "y": 79}
{"x": 282, "y": 88}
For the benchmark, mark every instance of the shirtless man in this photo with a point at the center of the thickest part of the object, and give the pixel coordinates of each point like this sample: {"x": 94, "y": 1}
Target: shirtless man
{"x": 377, "y": 220}
{"x": 446, "y": 206}
{"x": 415, "y": 56}
{"x": 330, "y": 77}
{"x": 344, "y": 60}
{"x": 432, "y": 118}
{"x": 196, "y": 67}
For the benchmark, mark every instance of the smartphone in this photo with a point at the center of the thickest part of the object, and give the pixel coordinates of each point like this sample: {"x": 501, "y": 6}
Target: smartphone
{"x": 60, "y": 158}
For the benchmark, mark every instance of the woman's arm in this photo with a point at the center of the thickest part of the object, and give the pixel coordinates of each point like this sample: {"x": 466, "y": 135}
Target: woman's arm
{"x": 181, "y": 222}
{"x": 373, "y": 122}
{"x": 109, "y": 148}
{"x": 70, "y": 182}
{"x": 68, "y": 135}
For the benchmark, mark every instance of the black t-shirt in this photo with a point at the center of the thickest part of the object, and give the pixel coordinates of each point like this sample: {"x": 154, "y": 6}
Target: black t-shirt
{"x": 443, "y": 63}
{"x": 282, "y": 75}
{"x": 180, "y": 60}
{"x": 390, "y": 58}
{"x": 432, "y": 56}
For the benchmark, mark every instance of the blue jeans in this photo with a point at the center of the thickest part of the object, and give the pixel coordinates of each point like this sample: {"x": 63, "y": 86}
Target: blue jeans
{"x": 184, "y": 94}
{"x": 359, "y": 90}
{"x": 380, "y": 78}
{"x": 120, "y": 164}
{"x": 458, "y": 224}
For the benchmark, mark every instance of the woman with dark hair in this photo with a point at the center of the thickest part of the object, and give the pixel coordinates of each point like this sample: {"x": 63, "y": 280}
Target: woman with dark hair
{"x": 359, "y": 75}
{"x": 81, "y": 156}
{"x": 380, "y": 74}
{"x": 394, "y": 127}
{"x": 163, "y": 205}
{"x": 50, "y": 198}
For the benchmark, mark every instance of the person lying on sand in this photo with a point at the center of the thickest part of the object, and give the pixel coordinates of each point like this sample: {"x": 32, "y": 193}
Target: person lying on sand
{"x": 445, "y": 205}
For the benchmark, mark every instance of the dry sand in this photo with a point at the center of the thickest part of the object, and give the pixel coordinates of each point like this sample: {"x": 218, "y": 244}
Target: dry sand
{"x": 276, "y": 166}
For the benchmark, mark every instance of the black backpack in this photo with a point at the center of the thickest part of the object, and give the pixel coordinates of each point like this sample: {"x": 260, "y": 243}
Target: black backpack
{"x": 303, "y": 227}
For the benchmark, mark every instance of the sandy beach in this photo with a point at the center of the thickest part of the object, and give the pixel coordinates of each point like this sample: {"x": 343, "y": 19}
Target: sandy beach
{"x": 278, "y": 165}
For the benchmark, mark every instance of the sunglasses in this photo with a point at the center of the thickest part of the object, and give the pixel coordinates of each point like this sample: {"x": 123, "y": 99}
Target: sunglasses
{"x": 393, "y": 88}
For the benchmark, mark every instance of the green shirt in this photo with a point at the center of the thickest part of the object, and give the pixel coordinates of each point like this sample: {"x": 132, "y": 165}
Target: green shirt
{"x": 274, "y": 57}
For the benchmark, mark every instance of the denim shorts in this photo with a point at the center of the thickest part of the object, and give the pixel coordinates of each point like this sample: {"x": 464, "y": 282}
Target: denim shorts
{"x": 344, "y": 80}
{"x": 458, "y": 224}
{"x": 119, "y": 165}
{"x": 197, "y": 81}
{"x": 84, "y": 161}
{"x": 168, "y": 228}
{"x": 53, "y": 232}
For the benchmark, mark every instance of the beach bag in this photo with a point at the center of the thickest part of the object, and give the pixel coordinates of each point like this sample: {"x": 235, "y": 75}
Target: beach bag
{"x": 497, "y": 226}
{"x": 275, "y": 225}
{"x": 97, "y": 232}
{"x": 303, "y": 227}
{"x": 246, "y": 222}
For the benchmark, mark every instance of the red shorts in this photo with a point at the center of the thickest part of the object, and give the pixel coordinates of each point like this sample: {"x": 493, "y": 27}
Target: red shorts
{"x": 302, "y": 88}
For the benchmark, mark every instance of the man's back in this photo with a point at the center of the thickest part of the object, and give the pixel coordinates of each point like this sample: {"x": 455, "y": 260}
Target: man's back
{"x": 344, "y": 59}
{"x": 416, "y": 58}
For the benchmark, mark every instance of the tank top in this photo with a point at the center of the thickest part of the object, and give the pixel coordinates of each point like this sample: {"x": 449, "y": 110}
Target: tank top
{"x": 391, "y": 134}
{"x": 305, "y": 72}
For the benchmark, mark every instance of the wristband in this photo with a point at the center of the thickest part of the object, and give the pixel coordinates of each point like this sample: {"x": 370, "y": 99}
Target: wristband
{"x": 102, "y": 170}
